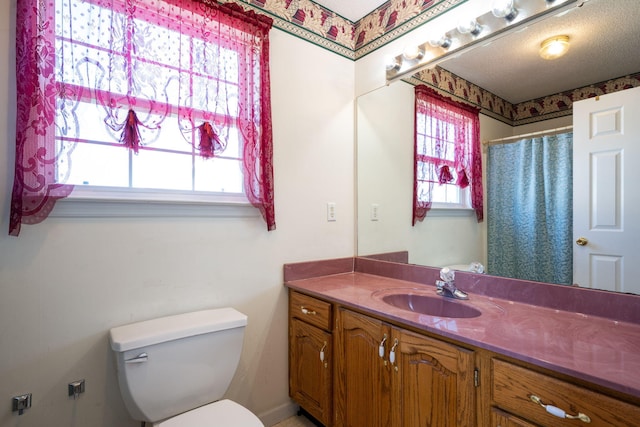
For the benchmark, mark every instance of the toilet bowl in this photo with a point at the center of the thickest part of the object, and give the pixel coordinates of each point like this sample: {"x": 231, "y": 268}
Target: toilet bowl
{"x": 174, "y": 371}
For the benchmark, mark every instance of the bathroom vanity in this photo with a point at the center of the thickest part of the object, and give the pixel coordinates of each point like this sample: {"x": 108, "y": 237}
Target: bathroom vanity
{"x": 372, "y": 344}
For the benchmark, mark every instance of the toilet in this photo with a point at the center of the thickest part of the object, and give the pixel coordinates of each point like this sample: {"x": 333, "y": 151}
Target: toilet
{"x": 174, "y": 370}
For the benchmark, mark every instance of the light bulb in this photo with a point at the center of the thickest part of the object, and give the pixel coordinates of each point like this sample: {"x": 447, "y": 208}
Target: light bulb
{"x": 442, "y": 41}
{"x": 504, "y": 9}
{"x": 413, "y": 52}
{"x": 469, "y": 26}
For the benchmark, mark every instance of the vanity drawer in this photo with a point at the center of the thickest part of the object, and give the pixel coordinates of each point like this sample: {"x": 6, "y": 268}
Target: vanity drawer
{"x": 310, "y": 310}
{"x": 513, "y": 386}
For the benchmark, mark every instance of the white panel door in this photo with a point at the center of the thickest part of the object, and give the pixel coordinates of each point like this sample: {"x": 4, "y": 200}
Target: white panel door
{"x": 606, "y": 191}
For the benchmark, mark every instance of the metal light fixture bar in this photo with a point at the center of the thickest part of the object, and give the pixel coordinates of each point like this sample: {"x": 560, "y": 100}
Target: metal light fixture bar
{"x": 454, "y": 42}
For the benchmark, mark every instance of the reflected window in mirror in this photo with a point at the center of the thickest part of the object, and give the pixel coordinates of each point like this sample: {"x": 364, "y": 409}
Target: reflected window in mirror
{"x": 447, "y": 160}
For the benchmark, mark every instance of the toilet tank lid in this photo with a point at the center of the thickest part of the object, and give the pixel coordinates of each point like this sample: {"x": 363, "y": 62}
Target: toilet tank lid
{"x": 150, "y": 332}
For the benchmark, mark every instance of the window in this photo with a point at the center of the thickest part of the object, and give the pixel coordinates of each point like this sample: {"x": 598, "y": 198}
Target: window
{"x": 90, "y": 131}
{"x": 169, "y": 96}
{"x": 448, "y": 169}
{"x": 436, "y": 170}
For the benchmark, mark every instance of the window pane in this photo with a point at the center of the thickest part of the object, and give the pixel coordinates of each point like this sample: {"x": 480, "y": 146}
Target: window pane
{"x": 173, "y": 69}
{"x": 85, "y": 121}
{"x": 220, "y": 175}
{"x": 92, "y": 164}
{"x": 439, "y": 193}
{"x": 157, "y": 169}
{"x": 233, "y": 148}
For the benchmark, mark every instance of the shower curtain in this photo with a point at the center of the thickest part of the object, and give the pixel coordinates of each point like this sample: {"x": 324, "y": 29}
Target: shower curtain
{"x": 529, "y": 209}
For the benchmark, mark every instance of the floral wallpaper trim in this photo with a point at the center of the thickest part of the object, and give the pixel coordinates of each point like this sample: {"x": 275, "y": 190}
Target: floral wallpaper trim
{"x": 535, "y": 110}
{"x": 561, "y": 104}
{"x": 394, "y": 19}
{"x": 307, "y": 20}
{"x": 325, "y": 28}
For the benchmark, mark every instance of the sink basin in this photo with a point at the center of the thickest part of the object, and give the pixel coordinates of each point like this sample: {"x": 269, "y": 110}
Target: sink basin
{"x": 432, "y": 306}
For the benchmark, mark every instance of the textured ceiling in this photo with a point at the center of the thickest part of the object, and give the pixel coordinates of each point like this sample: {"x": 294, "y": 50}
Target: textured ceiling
{"x": 353, "y": 10}
{"x": 605, "y": 44}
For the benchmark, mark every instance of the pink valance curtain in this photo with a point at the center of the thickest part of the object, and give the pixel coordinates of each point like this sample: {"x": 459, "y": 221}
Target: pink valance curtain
{"x": 444, "y": 121}
{"x": 143, "y": 62}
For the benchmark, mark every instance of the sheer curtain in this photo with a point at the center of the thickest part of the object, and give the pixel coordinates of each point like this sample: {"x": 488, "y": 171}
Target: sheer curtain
{"x": 530, "y": 209}
{"x": 447, "y": 149}
{"x": 144, "y": 63}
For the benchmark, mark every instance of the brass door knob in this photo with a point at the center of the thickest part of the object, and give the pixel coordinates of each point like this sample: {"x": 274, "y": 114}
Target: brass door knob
{"x": 582, "y": 241}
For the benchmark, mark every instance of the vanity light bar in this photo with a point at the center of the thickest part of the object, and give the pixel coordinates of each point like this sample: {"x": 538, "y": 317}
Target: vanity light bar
{"x": 455, "y": 42}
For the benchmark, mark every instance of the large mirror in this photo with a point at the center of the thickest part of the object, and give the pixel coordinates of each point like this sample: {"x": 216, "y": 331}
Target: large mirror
{"x": 604, "y": 45}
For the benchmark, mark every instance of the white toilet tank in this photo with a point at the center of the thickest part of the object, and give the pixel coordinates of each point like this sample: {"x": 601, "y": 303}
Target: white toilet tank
{"x": 173, "y": 364}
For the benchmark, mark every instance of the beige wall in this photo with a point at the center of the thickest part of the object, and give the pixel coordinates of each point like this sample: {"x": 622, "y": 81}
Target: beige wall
{"x": 65, "y": 282}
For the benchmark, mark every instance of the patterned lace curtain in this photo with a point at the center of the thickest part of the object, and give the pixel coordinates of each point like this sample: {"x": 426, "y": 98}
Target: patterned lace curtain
{"x": 143, "y": 63}
{"x": 447, "y": 149}
{"x": 530, "y": 209}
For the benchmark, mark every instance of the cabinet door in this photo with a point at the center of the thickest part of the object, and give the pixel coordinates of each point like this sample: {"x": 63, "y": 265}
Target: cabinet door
{"x": 310, "y": 369}
{"x": 435, "y": 383}
{"x": 363, "y": 376}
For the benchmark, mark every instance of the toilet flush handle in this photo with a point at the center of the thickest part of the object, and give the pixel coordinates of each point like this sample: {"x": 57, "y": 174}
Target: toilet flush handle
{"x": 141, "y": 358}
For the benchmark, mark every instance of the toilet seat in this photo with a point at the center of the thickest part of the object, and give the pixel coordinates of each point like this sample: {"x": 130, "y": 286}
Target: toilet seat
{"x": 223, "y": 413}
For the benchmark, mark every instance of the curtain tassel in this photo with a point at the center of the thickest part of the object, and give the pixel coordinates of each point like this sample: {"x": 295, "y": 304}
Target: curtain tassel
{"x": 131, "y": 132}
{"x": 444, "y": 175}
{"x": 463, "y": 179}
{"x": 209, "y": 140}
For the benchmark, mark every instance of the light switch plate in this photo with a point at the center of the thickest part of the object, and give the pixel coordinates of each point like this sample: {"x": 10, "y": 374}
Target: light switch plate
{"x": 331, "y": 211}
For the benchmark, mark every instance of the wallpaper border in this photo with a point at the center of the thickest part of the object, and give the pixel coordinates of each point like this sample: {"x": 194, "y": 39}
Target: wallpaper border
{"x": 310, "y": 21}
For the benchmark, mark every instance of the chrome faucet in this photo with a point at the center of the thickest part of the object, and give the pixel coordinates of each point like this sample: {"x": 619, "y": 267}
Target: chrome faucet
{"x": 447, "y": 287}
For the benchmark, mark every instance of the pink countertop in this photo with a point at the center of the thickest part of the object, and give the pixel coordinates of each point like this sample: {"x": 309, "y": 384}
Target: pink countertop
{"x": 600, "y": 350}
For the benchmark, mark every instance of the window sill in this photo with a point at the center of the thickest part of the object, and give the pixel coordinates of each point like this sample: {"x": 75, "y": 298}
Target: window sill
{"x": 442, "y": 210}
{"x": 117, "y": 203}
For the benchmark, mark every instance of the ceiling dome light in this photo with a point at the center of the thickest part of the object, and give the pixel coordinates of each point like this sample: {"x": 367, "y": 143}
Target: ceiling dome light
{"x": 554, "y": 47}
{"x": 504, "y": 9}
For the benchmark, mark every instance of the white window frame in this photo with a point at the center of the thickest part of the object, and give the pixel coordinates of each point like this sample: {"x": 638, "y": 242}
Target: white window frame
{"x": 464, "y": 208}
{"x": 100, "y": 201}
{"x": 113, "y": 202}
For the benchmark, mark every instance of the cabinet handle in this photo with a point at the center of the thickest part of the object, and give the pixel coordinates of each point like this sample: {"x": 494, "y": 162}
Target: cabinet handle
{"x": 322, "y": 351}
{"x": 554, "y": 410}
{"x": 381, "y": 346}
{"x": 307, "y": 311}
{"x": 392, "y": 354}
{"x": 141, "y": 358}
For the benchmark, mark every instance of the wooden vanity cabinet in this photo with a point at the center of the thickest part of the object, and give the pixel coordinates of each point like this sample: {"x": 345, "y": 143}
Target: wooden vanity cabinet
{"x": 348, "y": 369}
{"x": 311, "y": 355}
{"x": 389, "y": 377}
